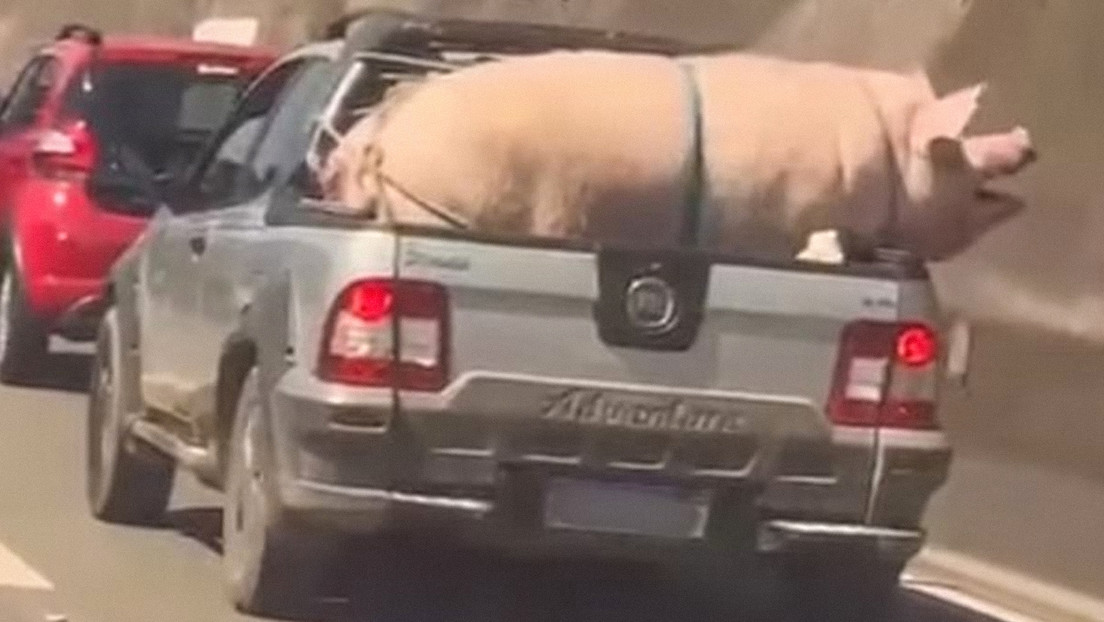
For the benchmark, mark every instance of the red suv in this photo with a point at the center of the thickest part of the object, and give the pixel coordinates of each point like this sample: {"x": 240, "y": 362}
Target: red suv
{"x": 89, "y": 130}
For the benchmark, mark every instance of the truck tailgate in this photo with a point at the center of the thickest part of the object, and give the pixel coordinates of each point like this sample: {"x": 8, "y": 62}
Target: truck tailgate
{"x": 673, "y": 363}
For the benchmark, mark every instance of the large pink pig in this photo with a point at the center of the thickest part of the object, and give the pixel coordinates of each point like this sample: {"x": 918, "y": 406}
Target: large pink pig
{"x": 603, "y": 145}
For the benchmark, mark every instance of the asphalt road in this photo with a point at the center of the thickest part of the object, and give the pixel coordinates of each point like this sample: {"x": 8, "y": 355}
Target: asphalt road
{"x": 57, "y": 563}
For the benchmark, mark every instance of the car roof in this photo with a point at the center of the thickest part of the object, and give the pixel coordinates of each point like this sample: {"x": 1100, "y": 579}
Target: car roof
{"x": 140, "y": 48}
{"x": 187, "y": 46}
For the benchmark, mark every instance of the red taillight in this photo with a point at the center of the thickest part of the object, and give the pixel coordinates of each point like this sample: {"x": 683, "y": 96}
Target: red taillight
{"x": 371, "y": 302}
{"x": 68, "y": 152}
{"x": 383, "y": 333}
{"x": 885, "y": 376}
{"x": 916, "y": 346}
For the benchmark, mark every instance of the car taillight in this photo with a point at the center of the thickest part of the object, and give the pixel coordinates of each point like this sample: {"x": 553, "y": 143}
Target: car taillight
{"x": 384, "y": 332}
{"x": 885, "y": 376}
{"x": 68, "y": 152}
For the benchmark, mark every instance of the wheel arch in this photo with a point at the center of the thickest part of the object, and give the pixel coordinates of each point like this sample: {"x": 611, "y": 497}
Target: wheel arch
{"x": 260, "y": 341}
{"x": 29, "y": 244}
{"x": 119, "y": 294}
{"x": 11, "y": 251}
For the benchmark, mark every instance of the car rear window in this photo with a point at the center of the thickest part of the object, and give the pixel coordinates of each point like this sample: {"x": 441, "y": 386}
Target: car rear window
{"x": 163, "y": 98}
{"x": 161, "y": 112}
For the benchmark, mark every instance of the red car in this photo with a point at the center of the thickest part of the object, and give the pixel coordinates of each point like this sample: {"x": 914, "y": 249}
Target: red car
{"x": 86, "y": 117}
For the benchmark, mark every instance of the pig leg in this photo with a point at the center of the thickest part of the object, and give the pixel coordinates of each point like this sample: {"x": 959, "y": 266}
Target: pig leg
{"x": 823, "y": 247}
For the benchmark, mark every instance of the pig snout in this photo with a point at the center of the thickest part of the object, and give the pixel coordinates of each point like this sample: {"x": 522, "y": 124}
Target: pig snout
{"x": 996, "y": 155}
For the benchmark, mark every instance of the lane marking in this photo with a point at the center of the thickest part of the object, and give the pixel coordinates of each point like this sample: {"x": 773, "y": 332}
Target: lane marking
{"x": 965, "y": 601}
{"x": 991, "y": 583}
{"x": 14, "y": 572}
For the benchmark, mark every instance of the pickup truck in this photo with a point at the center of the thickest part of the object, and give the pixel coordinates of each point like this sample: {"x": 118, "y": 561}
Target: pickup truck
{"x": 335, "y": 374}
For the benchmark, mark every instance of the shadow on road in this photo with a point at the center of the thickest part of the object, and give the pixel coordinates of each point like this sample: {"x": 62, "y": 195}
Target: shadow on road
{"x": 410, "y": 580}
{"x": 201, "y": 524}
{"x": 64, "y": 371}
{"x": 67, "y": 371}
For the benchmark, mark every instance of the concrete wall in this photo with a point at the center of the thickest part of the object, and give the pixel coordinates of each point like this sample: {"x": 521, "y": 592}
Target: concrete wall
{"x": 1030, "y": 483}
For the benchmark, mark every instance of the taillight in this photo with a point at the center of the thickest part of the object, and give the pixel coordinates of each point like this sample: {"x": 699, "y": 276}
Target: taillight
{"x": 885, "y": 376}
{"x": 383, "y": 333}
{"x": 65, "y": 153}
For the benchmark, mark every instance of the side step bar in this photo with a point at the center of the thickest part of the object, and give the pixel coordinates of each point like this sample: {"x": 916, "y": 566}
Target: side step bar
{"x": 200, "y": 460}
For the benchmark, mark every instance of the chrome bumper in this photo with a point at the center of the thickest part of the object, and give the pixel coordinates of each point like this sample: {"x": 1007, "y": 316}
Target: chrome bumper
{"x": 783, "y": 536}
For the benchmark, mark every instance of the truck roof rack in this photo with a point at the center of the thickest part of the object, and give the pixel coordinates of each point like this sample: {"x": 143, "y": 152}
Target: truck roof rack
{"x": 417, "y": 35}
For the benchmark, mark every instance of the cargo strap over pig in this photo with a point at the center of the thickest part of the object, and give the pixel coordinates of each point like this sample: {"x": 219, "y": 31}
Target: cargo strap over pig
{"x": 694, "y": 169}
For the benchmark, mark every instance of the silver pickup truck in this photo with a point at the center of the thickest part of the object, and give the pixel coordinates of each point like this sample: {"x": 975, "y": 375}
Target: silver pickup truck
{"x": 334, "y": 374}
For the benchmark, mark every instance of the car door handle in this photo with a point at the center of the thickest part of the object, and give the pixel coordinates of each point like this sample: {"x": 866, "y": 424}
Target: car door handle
{"x": 198, "y": 243}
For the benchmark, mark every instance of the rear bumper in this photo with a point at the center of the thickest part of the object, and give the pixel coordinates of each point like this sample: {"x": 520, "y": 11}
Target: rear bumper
{"x": 344, "y": 460}
{"x": 782, "y": 536}
{"x": 371, "y": 510}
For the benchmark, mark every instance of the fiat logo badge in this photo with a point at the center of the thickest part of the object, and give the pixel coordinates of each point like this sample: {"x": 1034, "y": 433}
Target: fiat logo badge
{"x": 651, "y": 305}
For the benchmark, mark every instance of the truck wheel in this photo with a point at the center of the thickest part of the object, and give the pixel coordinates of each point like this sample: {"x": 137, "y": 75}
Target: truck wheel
{"x": 840, "y": 587}
{"x": 23, "y": 338}
{"x": 127, "y": 480}
{"x": 270, "y": 566}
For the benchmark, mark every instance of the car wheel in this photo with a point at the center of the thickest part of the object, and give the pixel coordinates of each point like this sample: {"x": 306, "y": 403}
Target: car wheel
{"x": 23, "y": 338}
{"x": 127, "y": 480}
{"x": 271, "y": 567}
{"x": 840, "y": 586}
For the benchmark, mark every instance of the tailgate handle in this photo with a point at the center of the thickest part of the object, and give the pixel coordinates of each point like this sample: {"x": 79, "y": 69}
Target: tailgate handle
{"x": 651, "y": 299}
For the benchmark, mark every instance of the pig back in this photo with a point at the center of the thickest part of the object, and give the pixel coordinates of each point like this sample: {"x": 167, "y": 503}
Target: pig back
{"x": 791, "y": 148}
{"x": 570, "y": 144}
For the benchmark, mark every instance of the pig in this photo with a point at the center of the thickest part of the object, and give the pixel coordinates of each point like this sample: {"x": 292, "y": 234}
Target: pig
{"x": 337, "y": 178}
{"x": 602, "y": 145}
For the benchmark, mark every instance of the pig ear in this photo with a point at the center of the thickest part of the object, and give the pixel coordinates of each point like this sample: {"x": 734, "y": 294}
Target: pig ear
{"x": 946, "y": 117}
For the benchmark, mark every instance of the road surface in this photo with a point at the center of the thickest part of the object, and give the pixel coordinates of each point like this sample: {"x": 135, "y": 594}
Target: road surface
{"x": 56, "y": 563}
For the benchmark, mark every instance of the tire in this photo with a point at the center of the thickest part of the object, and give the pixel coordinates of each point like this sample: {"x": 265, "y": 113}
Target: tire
{"x": 128, "y": 481}
{"x": 271, "y": 567}
{"x": 24, "y": 339}
{"x": 840, "y": 586}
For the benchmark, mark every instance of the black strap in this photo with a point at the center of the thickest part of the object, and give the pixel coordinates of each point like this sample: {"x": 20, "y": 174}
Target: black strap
{"x": 436, "y": 210}
{"x": 694, "y": 169}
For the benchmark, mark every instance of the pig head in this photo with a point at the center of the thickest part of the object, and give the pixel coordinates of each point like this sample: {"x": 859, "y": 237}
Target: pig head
{"x": 595, "y": 144}
{"x": 950, "y": 200}
{"x": 796, "y": 148}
